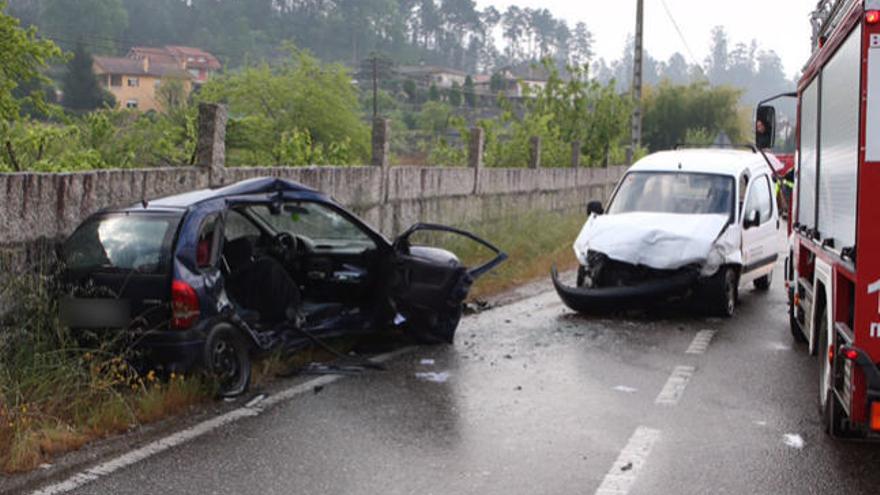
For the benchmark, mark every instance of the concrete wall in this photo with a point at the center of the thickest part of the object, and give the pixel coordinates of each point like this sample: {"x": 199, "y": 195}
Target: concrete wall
{"x": 38, "y": 210}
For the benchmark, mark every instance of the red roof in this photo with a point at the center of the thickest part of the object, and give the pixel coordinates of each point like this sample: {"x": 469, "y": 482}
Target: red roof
{"x": 194, "y": 57}
{"x": 130, "y": 67}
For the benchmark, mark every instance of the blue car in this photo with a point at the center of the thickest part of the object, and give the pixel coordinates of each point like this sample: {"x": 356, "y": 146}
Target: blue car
{"x": 213, "y": 278}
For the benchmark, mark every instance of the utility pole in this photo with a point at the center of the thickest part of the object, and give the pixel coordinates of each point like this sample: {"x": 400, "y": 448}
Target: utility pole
{"x": 375, "y": 86}
{"x": 637, "y": 82}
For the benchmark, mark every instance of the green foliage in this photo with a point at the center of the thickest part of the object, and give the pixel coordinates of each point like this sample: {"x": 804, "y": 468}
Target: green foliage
{"x": 98, "y": 21}
{"x": 470, "y": 97}
{"x": 300, "y": 95}
{"x": 81, "y": 89}
{"x": 409, "y": 87}
{"x": 22, "y": 57}
{"x": 102, "y": 139}
{"x": 433, "y": 93}
{"x": 676, "y": 114}
{"x": 455, "y": 95}
{"x": 435, "y": 117}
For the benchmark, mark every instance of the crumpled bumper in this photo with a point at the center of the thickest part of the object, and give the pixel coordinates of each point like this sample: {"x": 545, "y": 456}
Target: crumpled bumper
{"x": 606, "y": 299}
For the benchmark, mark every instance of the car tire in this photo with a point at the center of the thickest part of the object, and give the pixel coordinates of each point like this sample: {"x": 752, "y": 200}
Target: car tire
{"x": 228, "y": 361}
{"x": 763, "y": 283}
{"x": 438, "y": 328}
{"x": 723, "y": 294}
{"x": 830, "y": 409}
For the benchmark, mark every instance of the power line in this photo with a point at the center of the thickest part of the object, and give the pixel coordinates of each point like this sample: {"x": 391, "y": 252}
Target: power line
{"x": 680, "y": 34}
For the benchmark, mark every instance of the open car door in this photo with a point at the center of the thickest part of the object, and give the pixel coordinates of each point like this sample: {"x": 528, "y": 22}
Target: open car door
{"x": 432, "y": 283}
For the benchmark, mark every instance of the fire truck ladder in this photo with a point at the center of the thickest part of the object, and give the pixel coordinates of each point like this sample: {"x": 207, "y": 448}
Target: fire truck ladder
{"x": 826, "y": 17}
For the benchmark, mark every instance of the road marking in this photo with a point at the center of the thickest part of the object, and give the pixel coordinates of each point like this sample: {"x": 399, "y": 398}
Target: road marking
{"x": 674, "y": 388}
{"x": 629, "y": 463}
{"x": 701, "y": 342}
{"x": 184, "y": 436}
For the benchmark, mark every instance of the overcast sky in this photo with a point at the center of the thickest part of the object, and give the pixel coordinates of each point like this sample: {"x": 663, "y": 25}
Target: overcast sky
{"x": 780, "y": 25}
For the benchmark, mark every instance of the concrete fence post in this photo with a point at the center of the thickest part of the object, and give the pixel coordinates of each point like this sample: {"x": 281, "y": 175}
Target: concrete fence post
{"x": 381, "y": 142}
{"x": 211, "y": 142}
{"x": 535, "y": 152}
{"x": 475, "y": 147}
{"x": 576, "y": 154}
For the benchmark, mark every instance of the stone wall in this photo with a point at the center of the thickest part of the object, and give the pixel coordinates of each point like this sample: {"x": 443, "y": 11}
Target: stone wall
{"x": 37, "y": 210}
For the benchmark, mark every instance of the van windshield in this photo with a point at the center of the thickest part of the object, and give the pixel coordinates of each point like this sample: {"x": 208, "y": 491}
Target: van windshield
{"x": 122, "y": 242}
{"x": 674, "y": 192}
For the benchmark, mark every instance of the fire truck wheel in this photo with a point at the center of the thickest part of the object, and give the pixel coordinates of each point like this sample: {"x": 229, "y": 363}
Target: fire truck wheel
{"x": 723, "y": 292}
{"x": 829, "y": 407}
{"x": 763, "y": 284}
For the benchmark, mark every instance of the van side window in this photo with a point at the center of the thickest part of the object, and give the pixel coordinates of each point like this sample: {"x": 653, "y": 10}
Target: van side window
{"x": 760, "y": 199}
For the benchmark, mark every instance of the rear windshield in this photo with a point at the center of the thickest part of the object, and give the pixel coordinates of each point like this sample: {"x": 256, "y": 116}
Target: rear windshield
{"x": 674, "y": 192}
{"x": 140, "y": 242}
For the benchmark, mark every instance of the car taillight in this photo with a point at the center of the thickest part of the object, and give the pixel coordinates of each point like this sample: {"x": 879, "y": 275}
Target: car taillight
{"x": 875, "y": 416}
{"x": 872, "y": 16}
{"x": 184, "y": 305}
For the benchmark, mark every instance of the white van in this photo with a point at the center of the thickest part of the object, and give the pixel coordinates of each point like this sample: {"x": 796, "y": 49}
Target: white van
{"x": 698, "y": 222}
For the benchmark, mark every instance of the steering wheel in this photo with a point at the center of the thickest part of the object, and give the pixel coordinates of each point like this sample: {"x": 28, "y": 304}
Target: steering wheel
{"x": 286, "y": 244}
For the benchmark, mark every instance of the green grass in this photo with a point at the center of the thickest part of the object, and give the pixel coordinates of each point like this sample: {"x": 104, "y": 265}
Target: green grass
{"x": 533, "y": 241}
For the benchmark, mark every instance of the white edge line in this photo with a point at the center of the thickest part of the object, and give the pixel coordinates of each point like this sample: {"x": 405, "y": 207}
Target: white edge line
{"x": 629, "y": 463}
{"x": 193, "y": 432}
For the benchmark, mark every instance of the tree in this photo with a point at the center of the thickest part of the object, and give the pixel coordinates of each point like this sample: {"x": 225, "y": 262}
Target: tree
{"x": 470, "y": 96}
{"x": 673, "y": 113}
{"x": 582, "y": 45}
{"x": 716, "y": 62}
{"x": 82, "y": 92}
{"x": 101, "y": 22}
{"x": 284, "y": 106}
{"x": 433, "y": 93}
{"x": 411, "y": 90}
{"x": 455, "y": 95}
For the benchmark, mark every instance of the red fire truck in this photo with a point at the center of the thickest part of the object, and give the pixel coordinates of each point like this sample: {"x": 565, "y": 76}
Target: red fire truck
{"x": 833, "y": 265}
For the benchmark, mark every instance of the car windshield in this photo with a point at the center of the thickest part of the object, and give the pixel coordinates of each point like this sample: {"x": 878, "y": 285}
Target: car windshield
{"x": 327, "y": 228}
{"x": 674, "y": 192}
{"x": 122, "y": 242}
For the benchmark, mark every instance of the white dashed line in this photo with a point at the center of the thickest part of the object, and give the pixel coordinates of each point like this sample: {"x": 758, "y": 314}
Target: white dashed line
{"x": 701, "y": 342}
{"x": 256, "y": 408}
{"x": 674, "y": 388}
{"x": 629, "y": 463}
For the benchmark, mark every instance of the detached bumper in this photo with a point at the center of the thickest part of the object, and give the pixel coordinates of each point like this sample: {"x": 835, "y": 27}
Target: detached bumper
{"x": 605, "y": 299}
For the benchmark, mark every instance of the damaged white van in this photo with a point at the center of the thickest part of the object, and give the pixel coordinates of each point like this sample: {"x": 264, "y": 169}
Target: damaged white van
{"x": 687, "y": 223}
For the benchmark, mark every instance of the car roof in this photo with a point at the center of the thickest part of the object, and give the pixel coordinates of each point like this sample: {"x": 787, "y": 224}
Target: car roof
{"x": 260, "y": 185}
{"x": 708, "y": 161}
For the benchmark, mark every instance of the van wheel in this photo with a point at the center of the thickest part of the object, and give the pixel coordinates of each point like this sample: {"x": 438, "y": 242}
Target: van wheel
{"x": 228, "y": 360}
{"x": 829, "y": 408}
{"x": 763, "y": 283}
{"x": 723, "y": 293}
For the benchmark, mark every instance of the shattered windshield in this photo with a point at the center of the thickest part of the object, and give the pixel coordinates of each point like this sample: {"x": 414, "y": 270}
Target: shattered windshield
{"x": 122, "y": 242}
{"x": 674, "y": 192}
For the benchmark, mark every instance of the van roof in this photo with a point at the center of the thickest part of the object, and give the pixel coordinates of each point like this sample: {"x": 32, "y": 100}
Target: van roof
{"x": 709, "y": 161}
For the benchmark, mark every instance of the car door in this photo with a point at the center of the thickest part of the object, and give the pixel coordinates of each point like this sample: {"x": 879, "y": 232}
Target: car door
{"x": 760, "y": 223}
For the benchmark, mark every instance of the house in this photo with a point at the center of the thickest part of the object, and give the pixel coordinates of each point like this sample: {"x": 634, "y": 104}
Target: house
{"x": 427, "y": 75}
{"x": 512, "y": 82}
{"x": 135, "y": 83}
{"x": 200, "y": 64}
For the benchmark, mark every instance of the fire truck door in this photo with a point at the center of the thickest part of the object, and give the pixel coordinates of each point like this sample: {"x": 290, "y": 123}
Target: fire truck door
{"x": 760, "y": 223}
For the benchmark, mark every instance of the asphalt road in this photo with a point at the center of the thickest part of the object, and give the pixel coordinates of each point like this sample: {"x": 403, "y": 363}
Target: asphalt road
{"x": 533, "y": 398}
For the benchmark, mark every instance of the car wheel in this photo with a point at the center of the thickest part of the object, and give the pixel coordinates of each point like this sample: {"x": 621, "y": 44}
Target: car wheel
{"x": 723, "y": 293}
{"x": 830, "y": 409}
{"x": 437, "y": 329}
{"x": 227, "y": 359}
{"x": 763, "y": 283}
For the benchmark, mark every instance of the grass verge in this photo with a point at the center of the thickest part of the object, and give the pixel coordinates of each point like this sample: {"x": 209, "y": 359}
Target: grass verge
{"x": 56, "y": 394}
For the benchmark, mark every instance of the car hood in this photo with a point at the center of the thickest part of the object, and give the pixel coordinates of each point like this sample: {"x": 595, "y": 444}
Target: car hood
{"x": 664, "y": 241}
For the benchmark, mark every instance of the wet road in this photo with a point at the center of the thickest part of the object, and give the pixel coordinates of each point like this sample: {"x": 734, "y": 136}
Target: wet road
{"x": 536, "y": 399}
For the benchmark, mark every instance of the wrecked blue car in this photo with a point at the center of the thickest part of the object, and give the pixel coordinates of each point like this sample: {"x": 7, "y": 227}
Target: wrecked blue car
{"x": 213, "y": 278}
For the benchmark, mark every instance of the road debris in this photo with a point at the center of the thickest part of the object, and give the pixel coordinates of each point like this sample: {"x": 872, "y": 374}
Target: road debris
{"x": 433, "y": 376}
{"x": 793, "y": 440}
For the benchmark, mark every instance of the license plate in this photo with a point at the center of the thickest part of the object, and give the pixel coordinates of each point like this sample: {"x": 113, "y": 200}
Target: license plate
{"x": 95, "y": 313}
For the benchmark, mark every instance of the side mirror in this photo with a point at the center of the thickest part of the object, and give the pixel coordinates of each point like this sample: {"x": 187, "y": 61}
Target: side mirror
{"x": 595, "y": 207}
{"x": 765, "y": 127}
{"x": 753, "y": 219}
